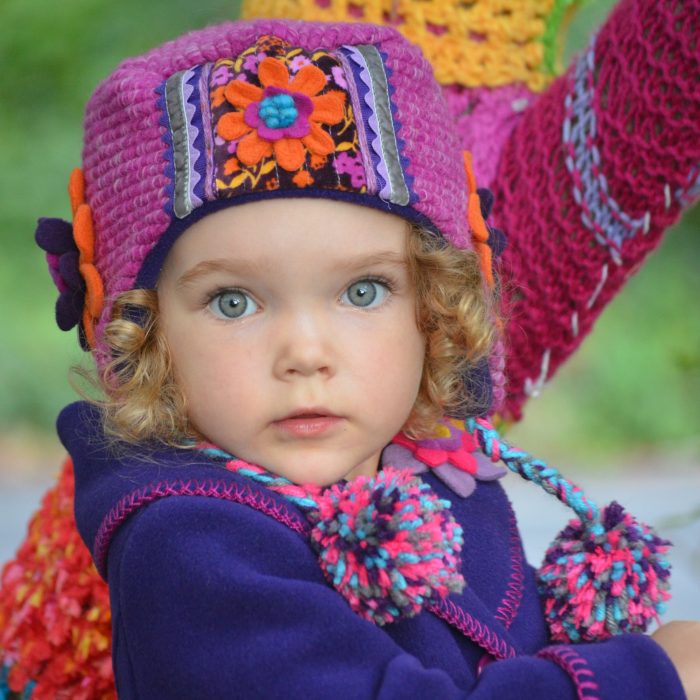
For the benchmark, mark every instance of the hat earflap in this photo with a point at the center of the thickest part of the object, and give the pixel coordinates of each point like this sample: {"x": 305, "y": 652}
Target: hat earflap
{"x": 605, "y": 573}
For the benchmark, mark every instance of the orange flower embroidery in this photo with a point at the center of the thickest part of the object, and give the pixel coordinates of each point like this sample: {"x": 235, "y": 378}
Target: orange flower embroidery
{"x": 283, "y": 117}
{"x": 303, "y": 179}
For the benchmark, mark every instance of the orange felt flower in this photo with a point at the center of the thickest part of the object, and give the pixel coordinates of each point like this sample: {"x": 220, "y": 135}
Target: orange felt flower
{"x": 70, "y": 250}
{"x": 84, "y": 236}
{"x": 480, "y": 233}
{"x": 284, "y": 117}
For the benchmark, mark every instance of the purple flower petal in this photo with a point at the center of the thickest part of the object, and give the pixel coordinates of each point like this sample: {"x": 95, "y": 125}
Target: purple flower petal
{"x": 54, "y": 236}
{"x": 485, "y": 201}
{"x": 83, "y": 338}
{"x": 69, "y": 309}
{"x": 486, "y": 469}
{"x": 68, "y": 269}
{"x": 52, "y": 261}
{"x": 402, "y": 458}
{"x": 462, "y": 483}
{"x": 220, "y": 76}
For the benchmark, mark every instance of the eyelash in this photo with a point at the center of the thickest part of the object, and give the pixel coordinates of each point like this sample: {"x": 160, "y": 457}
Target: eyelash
{"x": 389, "y": 284}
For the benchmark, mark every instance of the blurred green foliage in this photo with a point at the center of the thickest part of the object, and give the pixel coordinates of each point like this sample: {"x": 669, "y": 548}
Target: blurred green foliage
{"x": 635, "y": 382}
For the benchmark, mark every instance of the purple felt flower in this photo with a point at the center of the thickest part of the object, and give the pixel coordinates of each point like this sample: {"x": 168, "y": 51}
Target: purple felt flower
{"x": 55, "y": 236}
{"x": 497, "y": 239}
{"x": 452, "y": 453}
{"x": 280, "y": 114}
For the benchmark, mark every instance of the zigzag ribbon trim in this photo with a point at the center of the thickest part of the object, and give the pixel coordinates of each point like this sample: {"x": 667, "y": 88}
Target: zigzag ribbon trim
{"x": 181, "y": 114}
{"x": 377, "y": 112}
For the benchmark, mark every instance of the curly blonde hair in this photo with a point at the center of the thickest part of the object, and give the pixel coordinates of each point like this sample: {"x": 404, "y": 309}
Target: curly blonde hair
{"x": 454, "y": 312}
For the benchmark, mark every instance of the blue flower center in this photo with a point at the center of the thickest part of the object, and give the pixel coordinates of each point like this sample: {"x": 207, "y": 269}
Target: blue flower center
{"x": 278, "y": 111}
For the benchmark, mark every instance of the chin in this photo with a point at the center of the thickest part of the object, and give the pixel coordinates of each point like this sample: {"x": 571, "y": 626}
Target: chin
{"x": 319, "y": 475}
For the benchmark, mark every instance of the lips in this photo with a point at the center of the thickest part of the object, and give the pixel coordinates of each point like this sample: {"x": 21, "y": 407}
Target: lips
{"x": 309, "y": 422}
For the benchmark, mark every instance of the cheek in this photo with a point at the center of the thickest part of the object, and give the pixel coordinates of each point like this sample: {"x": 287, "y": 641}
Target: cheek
{"x": 414, "y": 362}
{"x": 221, "y": 376}
{"x": 399, "y": 363}
{"x": 220, "y": 397}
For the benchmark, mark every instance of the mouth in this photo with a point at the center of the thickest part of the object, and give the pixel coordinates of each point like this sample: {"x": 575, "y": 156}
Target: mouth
{"x": 311, "y": 412}
{"x": 309, "y": 422}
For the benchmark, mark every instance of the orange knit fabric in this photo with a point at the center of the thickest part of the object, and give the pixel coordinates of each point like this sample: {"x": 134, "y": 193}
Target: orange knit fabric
{"x": 475, "y": 44}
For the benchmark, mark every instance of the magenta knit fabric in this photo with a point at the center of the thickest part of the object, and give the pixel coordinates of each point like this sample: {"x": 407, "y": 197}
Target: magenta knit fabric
{"x": 591, "y": 177}
{"x": 124, "y": 154}
{"x": 484, "y": 118}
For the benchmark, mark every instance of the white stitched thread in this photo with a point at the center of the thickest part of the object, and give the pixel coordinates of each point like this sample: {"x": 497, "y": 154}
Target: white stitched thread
{"x": 647, "y": 223}
{"x": 533, "y": 389}
{"x": 599, "y": 288}
{"x": 667, "y": 195}
{"x": 574, "y": 323}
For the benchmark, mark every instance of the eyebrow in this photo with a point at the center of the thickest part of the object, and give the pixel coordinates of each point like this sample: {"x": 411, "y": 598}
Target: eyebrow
{"x": 245, "y": 267}
{"x": 209, "y": 267}
{"x": 384, "y": 257}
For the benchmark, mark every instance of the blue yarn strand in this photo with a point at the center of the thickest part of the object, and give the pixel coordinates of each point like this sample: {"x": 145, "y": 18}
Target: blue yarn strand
{"x": 266, "y": 478}
{"x": 532, "y": 469}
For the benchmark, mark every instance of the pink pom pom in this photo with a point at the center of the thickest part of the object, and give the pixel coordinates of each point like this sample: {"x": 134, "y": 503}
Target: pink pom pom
{"x": 604, "y": 578}
{"x": 388, "y": 544}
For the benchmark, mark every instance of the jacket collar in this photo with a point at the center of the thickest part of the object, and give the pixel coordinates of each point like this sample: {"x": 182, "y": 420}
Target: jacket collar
{"x": 114, "y": 480}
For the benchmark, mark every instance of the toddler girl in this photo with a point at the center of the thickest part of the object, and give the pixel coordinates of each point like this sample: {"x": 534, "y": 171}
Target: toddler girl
{"x": 280, "y": 261}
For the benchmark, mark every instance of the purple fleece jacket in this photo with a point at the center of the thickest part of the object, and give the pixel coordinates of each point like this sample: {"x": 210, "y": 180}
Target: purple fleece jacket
{"x": 216, "y": 593}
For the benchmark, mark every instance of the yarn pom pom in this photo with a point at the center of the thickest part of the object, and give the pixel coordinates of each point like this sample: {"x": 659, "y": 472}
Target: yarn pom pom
{"x": 388, "y": 544}
{"x": 604, "y": 578}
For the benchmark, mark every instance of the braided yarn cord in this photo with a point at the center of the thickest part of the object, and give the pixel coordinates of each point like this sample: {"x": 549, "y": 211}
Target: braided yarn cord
{"x": 532, "y": 469}
{"x": 605, "y": 573}
{"x": 475, "y": 43}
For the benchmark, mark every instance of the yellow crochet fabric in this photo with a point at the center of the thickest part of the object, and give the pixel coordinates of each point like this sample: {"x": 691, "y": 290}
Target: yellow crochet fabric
{"x": 475, "y": 43}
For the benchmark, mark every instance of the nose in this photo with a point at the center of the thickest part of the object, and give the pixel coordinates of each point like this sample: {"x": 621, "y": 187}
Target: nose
{"x": 304, "y": 346}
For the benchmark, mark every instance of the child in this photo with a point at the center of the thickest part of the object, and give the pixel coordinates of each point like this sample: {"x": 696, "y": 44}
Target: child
{"x": 292, "y": 302}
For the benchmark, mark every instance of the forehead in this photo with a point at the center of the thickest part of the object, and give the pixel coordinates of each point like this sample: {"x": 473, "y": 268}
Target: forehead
{"x": 281, "y": 229}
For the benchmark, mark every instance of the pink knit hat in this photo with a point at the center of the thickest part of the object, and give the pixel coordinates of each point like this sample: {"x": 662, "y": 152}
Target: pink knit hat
{"x": 239, "y": 112}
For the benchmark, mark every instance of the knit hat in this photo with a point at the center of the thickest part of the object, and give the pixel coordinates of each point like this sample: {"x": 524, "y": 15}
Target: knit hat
{"x": 241, "y": 112}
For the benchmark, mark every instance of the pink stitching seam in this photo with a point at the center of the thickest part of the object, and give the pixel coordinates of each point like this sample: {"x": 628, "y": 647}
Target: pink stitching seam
{"x": 577, "y": 668}
{"x": 211, "y": 489}
{"x": 476, "y": 631}
{"x": 508, "y": 609}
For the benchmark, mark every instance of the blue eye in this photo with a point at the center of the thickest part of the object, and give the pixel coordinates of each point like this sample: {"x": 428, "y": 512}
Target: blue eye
{"x": 233, "y": 303}
{"x": 366, "y": 293}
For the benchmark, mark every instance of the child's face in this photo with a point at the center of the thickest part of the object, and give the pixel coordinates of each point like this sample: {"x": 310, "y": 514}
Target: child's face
{"x": 292, "y": 329}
